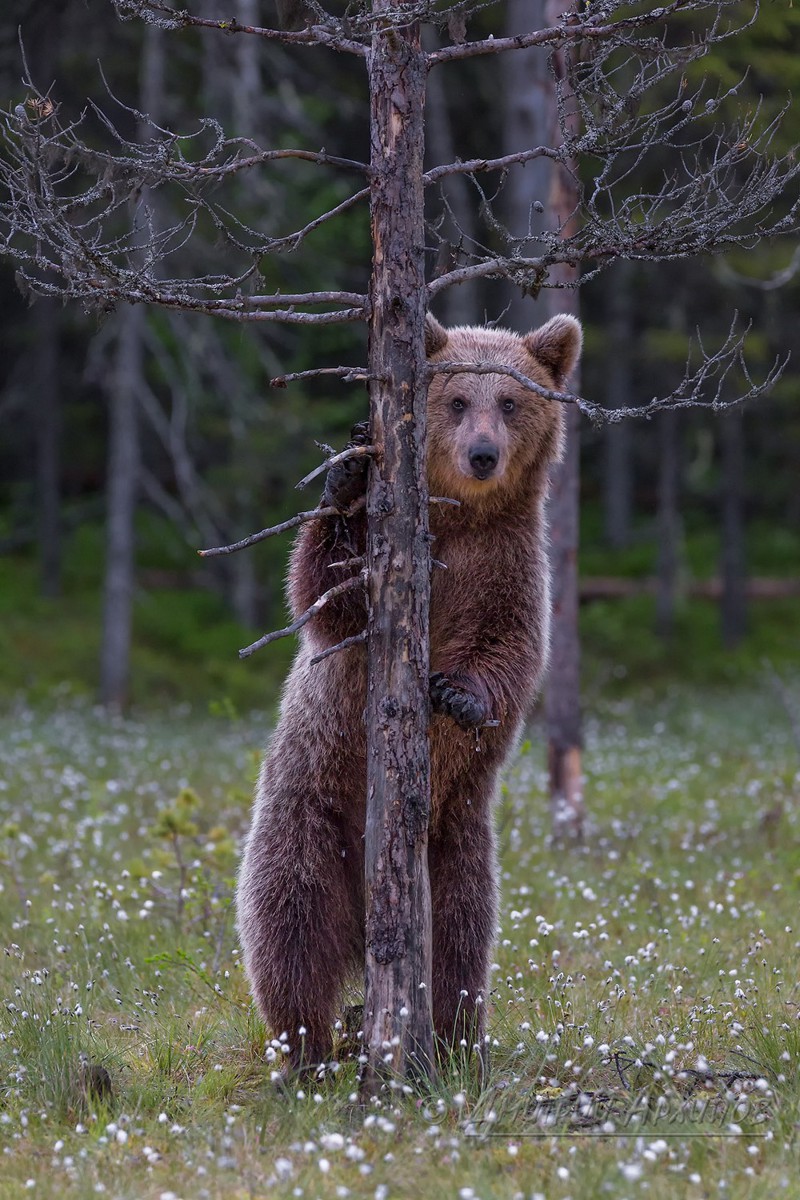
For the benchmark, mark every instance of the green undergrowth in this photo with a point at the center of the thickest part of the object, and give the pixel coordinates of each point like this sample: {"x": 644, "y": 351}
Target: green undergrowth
{"x": 185, "y": 645}
{"x": 185, "y": 642}
{"x": 644, "y": 1016}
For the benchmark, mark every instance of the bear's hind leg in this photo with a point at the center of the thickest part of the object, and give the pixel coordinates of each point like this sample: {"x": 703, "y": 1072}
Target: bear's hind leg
{"x": 299, "y": 901}
{"x": 461, "y": 855}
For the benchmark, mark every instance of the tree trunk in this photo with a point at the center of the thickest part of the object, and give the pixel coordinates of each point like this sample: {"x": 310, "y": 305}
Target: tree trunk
{"x": 618, "y": 465}
{"x": 47, "y": 365}
{"x": 124, "y": 455}
{"x": 459, "y": 305}
{"x": 667, "y": 525}
{"x": 47, "y": 371}
{"x": 529, "y": 104}
{"x": 122, "y": 488}
{"x": 397, "y": 1019}
{"x": 562, "y": 694}
{"x": 733, "y": 606}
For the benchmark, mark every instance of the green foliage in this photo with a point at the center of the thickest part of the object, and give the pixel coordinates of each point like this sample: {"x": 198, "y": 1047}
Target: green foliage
{"x": 185, "y": 643}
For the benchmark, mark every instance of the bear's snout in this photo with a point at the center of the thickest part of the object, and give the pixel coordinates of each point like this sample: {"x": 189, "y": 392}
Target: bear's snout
{"x": 483, "y": 458}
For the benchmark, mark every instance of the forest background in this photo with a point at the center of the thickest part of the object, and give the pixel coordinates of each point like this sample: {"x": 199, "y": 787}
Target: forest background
{"x": 690, "y": 522}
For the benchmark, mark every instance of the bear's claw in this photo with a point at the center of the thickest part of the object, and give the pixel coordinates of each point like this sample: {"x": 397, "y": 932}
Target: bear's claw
{"x": 465, "y": 709}
{"x": 347, "y": 481}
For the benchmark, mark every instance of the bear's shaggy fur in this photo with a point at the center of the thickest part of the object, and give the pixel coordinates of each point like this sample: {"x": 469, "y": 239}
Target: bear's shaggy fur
{"x": 301, "y": 888}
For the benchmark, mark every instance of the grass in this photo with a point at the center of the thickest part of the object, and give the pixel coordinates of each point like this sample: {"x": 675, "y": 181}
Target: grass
{"x": 646, "y": 986}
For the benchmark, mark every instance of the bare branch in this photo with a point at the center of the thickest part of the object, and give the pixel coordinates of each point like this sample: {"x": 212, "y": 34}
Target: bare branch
{"x": 700, "y": 387}
{"x": 167, "y": 17}
{"x": 314, "y": 514}
{"x": 357, "y": 560}
{"x": 337, "y": 590}
{"x": 354, "y": 298}
{"x": 260, "y": 157}
{"x": 492, "y": 368}
{"x": 470, "y": 166}
{"x": 778, "y": 280}
{"x": 356, "y": 640}
{"x": 335, "y": 460}
{"x": 569, "y": 29}
{"x": 347, "y": 374}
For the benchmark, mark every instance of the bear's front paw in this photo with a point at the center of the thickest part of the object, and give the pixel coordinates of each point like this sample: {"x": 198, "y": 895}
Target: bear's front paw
{"x": 465, "y": 709}
{"x": 347, "y": 481}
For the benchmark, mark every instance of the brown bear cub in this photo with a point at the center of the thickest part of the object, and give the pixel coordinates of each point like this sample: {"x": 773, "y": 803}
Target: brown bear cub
{"x": 301, "y": 888}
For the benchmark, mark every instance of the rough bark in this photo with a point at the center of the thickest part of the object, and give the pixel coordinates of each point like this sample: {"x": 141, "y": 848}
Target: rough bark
{"x": 562, "y": 694}
{"x": 733, "y": 568}
{"x": 668, "y": 525}
{"x": 618, "y": 456}
{"x": 397, "y": 1020}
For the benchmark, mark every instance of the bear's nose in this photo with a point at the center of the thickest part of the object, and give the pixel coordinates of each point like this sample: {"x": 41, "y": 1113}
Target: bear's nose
{"x": 483, "y": 459}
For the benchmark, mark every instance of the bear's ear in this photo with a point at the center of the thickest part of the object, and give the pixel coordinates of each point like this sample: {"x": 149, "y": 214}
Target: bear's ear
{"x": 435, "y": 336}
{"x": 557, "y": 345}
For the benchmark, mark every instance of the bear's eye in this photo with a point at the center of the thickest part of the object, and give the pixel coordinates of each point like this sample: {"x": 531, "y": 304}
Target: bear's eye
{"x": 458, "y": 404}
{"x": 507, "y": 404}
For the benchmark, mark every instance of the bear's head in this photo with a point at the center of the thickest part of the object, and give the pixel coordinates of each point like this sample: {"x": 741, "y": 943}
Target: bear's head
{"x": 487, "y": 434}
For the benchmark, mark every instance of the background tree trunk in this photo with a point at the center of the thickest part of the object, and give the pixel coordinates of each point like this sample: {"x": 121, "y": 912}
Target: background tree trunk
{"x": 459, "y": 305}
{"x": 397, "y": 1020}
{"x": 122, "y": 487}
{"x": 668, "y": 524}
{"x": 562, "y": 693}
{"x": 47, "y": 371}
{"x": 733, "y": 568}
{"x": 529, "y": 120}
{"x": 124, "y": 453}
{"x": 46, "y": 320}
{"x": 618, "y": 367}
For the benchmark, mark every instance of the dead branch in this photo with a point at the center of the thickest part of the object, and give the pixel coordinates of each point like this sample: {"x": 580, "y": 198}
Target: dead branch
{"x": 778, "y": 280}
{"x": 355, "y": 640}
{"x": 491, "y": 368}
{"x": 470, "y": 166}
{"x": 238, "y": 310}
{"x": 355, "y": 561}
{"x": 356, "y": 299}
{"x": 166, "y": 17}
{"x": 350, "y": 452}
{"x": 314, "y": 514}
{"x": 713, "y": 371}
{"x": 569, "y": 29}
{"x": 60, "y": 200}
{"x": 337, "y": 590}
{"x": 260, "y": 157}
{"x": 347, "y": 374}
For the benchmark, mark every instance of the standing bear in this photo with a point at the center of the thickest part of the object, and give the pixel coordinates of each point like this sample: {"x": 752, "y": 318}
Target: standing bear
{"x": 301, "y": 886}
